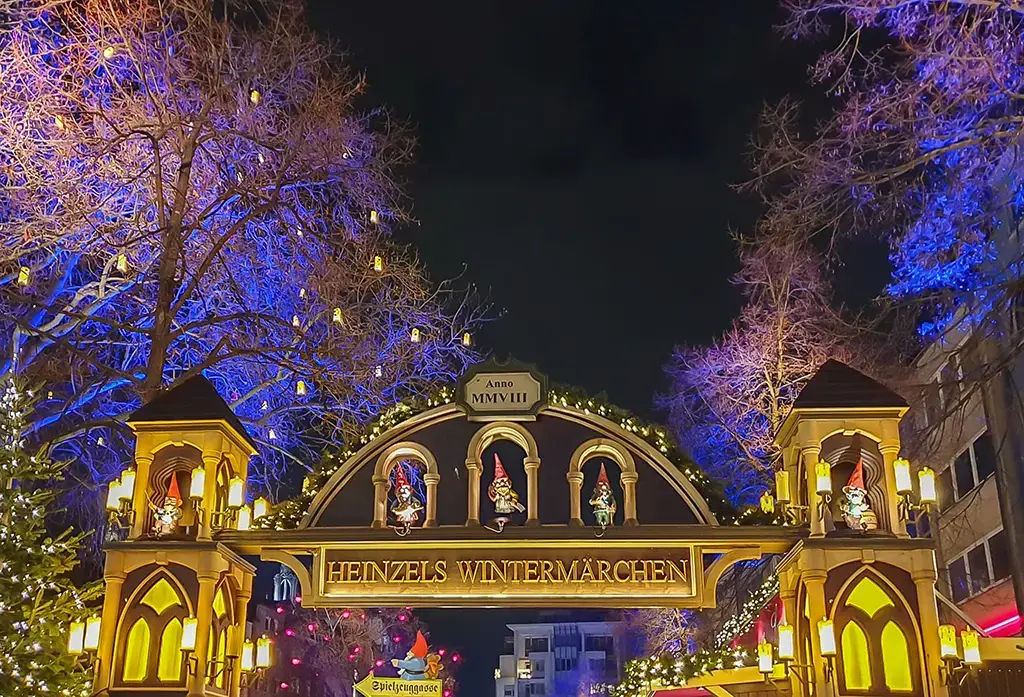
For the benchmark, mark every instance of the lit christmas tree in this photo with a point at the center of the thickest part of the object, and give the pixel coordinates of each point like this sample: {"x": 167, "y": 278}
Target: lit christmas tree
{"x": 38, "y": 600}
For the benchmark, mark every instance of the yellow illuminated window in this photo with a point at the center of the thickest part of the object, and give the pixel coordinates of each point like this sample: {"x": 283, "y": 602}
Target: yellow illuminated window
{"x": 896, "y": 659}
{"x": 169, "y": 665}
{"x": 856, "y": 661}
{"x": 136, "y": 652}
{"x": 161, "y": 596}
{"x": 869, "y": 597}
{"x": 220, "y": 604}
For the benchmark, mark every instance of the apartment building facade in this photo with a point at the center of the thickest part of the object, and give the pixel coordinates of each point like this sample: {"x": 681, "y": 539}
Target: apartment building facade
{"x": 563, "y": 659}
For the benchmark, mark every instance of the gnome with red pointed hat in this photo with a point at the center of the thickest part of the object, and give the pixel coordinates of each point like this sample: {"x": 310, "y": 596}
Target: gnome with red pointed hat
{"x": 418, "y": 664}
{"x": 407, "y": 506}
{"x": 166, "y": 517}
{"x": 501, "y": 493}
{"x": 603, "y": 500}
{"x": 855, "y": 508}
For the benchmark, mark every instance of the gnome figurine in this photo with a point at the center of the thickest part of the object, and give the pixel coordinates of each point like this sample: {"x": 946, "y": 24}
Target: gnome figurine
{"x": 505, "y": 498}
{"x": 855, "y": 508}
{"x": 166, "y": 517}
{"x": 418, "y": 664}
{"x": 407, "y": 506}
{"x": 603, "y": 500}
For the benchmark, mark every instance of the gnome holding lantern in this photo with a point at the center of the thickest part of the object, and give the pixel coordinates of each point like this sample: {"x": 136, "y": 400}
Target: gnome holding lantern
{"x": 603, "y": 500}
{"x": 501, "y": 493}
{"x": 855, "y": 508}
{"x": 418, "y": 664}
{"x": 167, "y": 516}
{"x": 407, "y": 505}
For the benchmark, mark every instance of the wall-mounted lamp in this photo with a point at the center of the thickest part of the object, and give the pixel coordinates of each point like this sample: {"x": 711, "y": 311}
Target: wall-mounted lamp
{"x": 120, "y": 513}
{"x": 952, "y": 664}
{"x": 905, "y": 488}
{"x": 253, "y": 662}
{"x": 823, "y": 485}
{"x": 766, "y": 659}
{"x": 827, "y": 640}
{"x": 84, "y": 639}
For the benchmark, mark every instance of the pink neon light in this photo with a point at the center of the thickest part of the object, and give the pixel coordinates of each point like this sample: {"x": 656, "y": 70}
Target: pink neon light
{"x": 1003, "y": 624}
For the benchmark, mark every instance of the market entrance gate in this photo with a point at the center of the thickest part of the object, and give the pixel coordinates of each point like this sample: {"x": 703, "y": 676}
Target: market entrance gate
{"x": 475, "y": 498}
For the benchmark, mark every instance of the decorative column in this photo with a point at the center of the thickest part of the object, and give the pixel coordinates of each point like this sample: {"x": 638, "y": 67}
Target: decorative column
{"x": 140, "y": 497}
{"x": 113, "y": 582}
{"x": 814, "y": 583}
{"x": 628, "y": 481}
{"x": 531, "y": 465}
{"x": 787, "y": 593}
{"x": 575, "y": 480}
{"x": 238, "y": 635}
{"x": 890, "y": 451}
{"x": 473, "y": 470}
{"x": 204, "y": 619}
{"x": 928, "y": 615}
{"x": 380, "y": 501}
{"x": 211, "y": 461}
{"x": 815, "y": 511}
{"x": 431, "y": 479}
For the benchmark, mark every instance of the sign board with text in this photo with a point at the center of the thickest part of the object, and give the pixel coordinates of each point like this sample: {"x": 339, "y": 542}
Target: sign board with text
{"x": 502, "y": 391}
{"x": 605, "y": 574}
{"x": 372, "y": 686}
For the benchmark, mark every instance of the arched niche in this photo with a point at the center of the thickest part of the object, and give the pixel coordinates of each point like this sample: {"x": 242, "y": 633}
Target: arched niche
{"x": 406, "y": 450}
{"x": 481, "y": 440}
{"x": 602, "y": 447}
{"x": 842, "y": 451}
{"x": 878, "y": 639}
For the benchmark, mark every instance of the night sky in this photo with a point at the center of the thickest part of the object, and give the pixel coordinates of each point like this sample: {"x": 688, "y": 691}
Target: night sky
{"x": 575, "y": 161}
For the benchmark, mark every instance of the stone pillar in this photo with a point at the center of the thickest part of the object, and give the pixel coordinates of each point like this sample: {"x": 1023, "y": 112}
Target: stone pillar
{"x": 380, "y": 501}
{"x": 531, "y": 465}
{"x": 928, "y": 616}
{"x": 431, "y": 479}
{"x": 113, "y": 582}
{"x": 140, "y": 497}
{"x": 575, "y": 480}
{"x": 473, "y": 471}
{"x": 238, "y": 636}
{"x": 211, "y": 461}
{"x": 814, "y": 582}
{"x": 811, "y": 454}
{"x": 890, "y": 451}
{"x": 204, "y": 619}
{"x": 628, "y": 481}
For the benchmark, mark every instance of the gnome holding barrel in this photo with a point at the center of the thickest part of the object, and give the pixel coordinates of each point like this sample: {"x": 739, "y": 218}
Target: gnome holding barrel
{"x": 855, "y": 508}
{"x": 166, "y": 517}
{"x": 501, "y": 493}
{"x": 603, "y": 500}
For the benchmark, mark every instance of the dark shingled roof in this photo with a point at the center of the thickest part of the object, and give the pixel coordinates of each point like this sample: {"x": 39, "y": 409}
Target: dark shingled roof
{"x": 196, "y": 399}
{"x": 838, "y": 385}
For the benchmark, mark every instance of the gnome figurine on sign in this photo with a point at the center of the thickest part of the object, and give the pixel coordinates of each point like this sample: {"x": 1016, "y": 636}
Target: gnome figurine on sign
{"x": 501, "y": 493}
{"x": 603, "y": 500}
{"x": 418, "y": 664}
{"x": 407, "y": 506}
{"x": 855, "y": 508}
{"x": 166, "y": 517}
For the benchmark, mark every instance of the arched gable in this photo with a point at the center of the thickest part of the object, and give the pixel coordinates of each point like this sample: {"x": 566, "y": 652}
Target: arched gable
{"x": 553, "y": 447}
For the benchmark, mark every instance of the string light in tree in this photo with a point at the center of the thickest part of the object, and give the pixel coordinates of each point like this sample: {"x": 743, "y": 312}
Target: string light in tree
{"x": 24, "y": 276}
{"x": 254, "y": 97}
{"x": 378, "y": 264}
{"x": 108, "y": 52}
{"x": 122, "y": 263}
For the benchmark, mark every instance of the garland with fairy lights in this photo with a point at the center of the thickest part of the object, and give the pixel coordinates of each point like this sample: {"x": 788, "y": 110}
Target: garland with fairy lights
{"x": 288, "y": 513}
{"x": 644, "y": 675}
{"x": 738, "y": 624}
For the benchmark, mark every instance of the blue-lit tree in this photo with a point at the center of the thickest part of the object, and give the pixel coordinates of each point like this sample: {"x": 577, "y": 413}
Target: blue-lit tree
{"x": 189, "y": 186}
{"x": 726, "y": 400}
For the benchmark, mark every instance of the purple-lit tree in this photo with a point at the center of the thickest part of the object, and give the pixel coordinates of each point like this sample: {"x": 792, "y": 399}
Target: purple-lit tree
{"x": 188, "y": 186}
{"x": 727, "y": 399}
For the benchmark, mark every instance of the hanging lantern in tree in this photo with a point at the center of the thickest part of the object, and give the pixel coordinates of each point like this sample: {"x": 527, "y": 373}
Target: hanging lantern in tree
{"x": 58, "y": 121}
{"x": 374, "y": 218}
{"x": 378, "y": 263}
{"x": 378, "y": 371}
{"x": 300, "y": 388}
{"x": 108, "y": 52}
{"x": 337, "y": 317}
{"x": 415, "y": 337}
{"x": 254, "y": 97}
{"x": 467, "y": 340}
{"x": 122, "y": 263}
{"x": 24, "y": 276}
{"x": 302, "y": 293}
{"x": 295, "y": 321}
